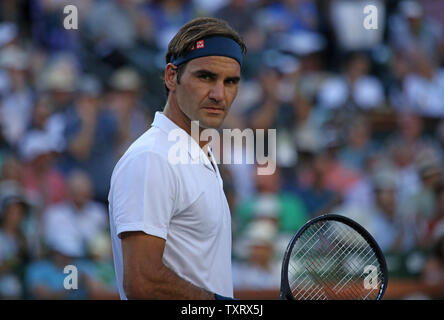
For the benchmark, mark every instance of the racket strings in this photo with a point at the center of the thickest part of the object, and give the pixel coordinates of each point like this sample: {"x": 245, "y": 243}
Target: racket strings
{"x": 307, "y": 279}
{"x": 328, "y": 262}
{"x": 314, "y": 267}
{"x": 345, "y": 251}
{"x": 342, "y": 250}
{"x": 309, "y": 266}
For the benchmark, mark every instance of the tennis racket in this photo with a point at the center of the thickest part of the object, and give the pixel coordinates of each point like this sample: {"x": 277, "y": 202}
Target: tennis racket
{"x": 333, "y": 258}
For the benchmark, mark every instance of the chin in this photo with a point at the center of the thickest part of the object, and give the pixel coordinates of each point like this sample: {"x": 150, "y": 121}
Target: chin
{"x": 211, "y": 123}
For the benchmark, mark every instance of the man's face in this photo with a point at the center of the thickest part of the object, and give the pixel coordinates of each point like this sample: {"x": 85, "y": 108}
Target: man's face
{"x": 207, "y": 89}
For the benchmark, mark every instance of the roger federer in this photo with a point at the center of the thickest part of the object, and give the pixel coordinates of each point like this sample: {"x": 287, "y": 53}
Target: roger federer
{"x": 170, "y": 222}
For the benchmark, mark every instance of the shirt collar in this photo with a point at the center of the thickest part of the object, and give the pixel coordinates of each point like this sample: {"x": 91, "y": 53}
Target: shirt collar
{"x": 165, "y": 124}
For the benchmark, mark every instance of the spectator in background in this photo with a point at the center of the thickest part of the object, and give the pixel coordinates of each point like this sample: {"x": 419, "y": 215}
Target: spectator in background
{"x": 260, "y": 270}
{"x": 359, "y": 146}
{"x": 240, "y": 15}
{"x": 124, "y": 101}
{"x": 14, "y": 250}
{"x": 407, "y": 178}
{"x": 311, "y": 187}
{"x": 434, "y": 268}
{"x": 44, "y": 184}
{"x": 114, "y": 44}
{"x": 307, "y": 125}
{"x": 102, "y": 266}
{"x": 78, "y": 220}
{"x": 45, "y": 278}
{"x": 400, "y": 67}
{"x": 91, "y": 133}
{"x": 16, "y": 105}
{"x": 12, "y": 171}
{"x": 290, "y": 16}
{"x": 436, "y": 223}
{"x": 167, "y": 17}
{"x": 346, "y": 21}
{"x": 410, "y": 131}
{"x": 288, "y": 207}
{"x": 404, "y": 147}
{"x": 424, "y": 86}
{"x": 121, "y": 34}
{"x": 271, "y": 112}
{"x": 5, "y": 149}
{"x": 47, "y": 29}
{"x": 40, "y": 124}
{"x": 410, "y": 30}
{"x": 421, "y": 206}
{"x": 337, "y": 177}
{"x": 391, "y": 233}
{"x": 353, "y": 90}
{"x": 58, "y": 81}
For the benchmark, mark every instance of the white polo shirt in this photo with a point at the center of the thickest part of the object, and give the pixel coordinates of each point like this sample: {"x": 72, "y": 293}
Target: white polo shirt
{"x": 182, "y": 203}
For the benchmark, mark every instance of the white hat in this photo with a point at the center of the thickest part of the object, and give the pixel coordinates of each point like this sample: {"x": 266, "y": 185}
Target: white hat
{"x": 65, "y": 245}
{"x": 384, "y": 179}
{"x": 37, "y": 143}
{"x": 125, "y": 79}
{"x": 261, "y": 232}
{"x": 411, "y": 9}
{"x": 8, "y": 32}
{"x": 13, "y": 57}
{"x": 303, "y": 43}
{"x": 61, "y": 74}
{"x": 266, "y": 206}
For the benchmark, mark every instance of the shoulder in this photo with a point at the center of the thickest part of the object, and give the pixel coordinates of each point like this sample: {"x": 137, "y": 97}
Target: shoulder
{"x": 152, "y": 145}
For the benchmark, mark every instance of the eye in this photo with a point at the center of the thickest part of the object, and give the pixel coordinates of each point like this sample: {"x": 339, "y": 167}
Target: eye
{"x": 231, "y": 81}
{"x": 205, "y": 77}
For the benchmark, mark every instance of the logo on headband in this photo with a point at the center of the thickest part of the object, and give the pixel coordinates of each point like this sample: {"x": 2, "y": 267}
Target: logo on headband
{"x": 199, "y": 45}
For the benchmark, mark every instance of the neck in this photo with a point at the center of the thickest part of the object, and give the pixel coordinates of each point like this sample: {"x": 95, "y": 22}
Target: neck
{"x": 173, "y": 112}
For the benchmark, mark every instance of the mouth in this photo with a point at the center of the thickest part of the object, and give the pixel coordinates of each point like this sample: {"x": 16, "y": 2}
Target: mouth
{"x": 214, "y": 110}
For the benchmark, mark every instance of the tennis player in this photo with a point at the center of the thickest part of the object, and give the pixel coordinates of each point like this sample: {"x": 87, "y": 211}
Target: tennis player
{"x": 170, "y": 222}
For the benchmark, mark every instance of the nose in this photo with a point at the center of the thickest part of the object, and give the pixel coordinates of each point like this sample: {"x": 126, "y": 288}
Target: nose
{"x": 217, "y": 92}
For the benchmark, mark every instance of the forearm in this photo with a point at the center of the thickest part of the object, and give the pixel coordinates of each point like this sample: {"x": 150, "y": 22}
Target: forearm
{"x": 166, "y": 284}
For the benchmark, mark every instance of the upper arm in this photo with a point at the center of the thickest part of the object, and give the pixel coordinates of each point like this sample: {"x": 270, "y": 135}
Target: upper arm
{"x": 142, "y": 260}
{"x": 143, "y": 195}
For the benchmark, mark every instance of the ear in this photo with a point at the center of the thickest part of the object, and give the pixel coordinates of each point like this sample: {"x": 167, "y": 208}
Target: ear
{"x": 171, "y": 77}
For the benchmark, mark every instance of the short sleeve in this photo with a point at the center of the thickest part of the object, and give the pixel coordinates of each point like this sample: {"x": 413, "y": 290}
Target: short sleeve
{"x": 143, "y": 195}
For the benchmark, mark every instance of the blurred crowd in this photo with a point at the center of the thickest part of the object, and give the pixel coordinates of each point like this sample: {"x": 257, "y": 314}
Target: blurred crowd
{"x": 359, "y": 117}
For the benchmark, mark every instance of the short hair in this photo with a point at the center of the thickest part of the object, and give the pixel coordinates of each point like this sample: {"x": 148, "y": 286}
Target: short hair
{"x": 197, "y": 29}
